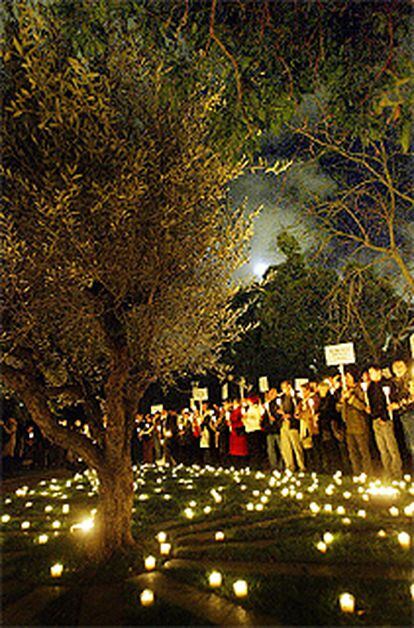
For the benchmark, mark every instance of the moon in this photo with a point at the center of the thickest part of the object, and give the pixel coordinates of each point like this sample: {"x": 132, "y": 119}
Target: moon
{"x": 260, "y": 268}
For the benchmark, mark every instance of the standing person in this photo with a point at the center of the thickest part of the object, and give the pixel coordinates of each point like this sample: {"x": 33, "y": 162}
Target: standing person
{"x": 291, "y": 446}
{"x": 308, "y": 427}
{"x": 170, "y": 438}
{"x": 207, "y": 437}
{"x": 271, "y": 425}
{"x": 223, "y": 434}
{"x": 146, "y": 435}
{"x": 252, "y": 421}
{"x": 353, "y": 410}
{"x": 9, "y": 443}
{"x": 402, "y": 403}
{"x": 238, "y": 447}
{"x": 383, "y": 425}
{"x": 185, "y": 437}
{"x": 327, "y": 414}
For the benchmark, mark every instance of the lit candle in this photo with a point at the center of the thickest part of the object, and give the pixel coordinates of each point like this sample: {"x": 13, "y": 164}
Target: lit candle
{"x": 147, "y": 597}
{"x": 65, "y": 509}
{"x": 5, "y": 518}
{"x": 150, "y": 563}
{"x": 56, "y": 570}
{"x": 161, "y": 537}
{"x": 394, "y": 512}
{"x": 165, "y": 549}
{"x": 25, "y": 525}
{"x": 215, "y": 579}
{"x": 322, "y": 547}
{"x": 412, "y": 592}
{"x": 43, "y": 538}
{"x": 240, "y": 588}
{"x": 56, "y": 524}
{"x": 328, "y": 538}
{"x": 404, "y": 540}
{"x": 347, "y": 602}
{"x": 219, "y": 536}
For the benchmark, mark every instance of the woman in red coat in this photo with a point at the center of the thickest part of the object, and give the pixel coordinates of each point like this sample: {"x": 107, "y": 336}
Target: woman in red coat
{"x": 238, "y": 440}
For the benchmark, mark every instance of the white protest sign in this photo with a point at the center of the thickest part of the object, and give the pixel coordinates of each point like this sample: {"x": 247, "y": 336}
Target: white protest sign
{"x": 412, "y": 345}
{"x": 225, "y": 392}
{"x": 263, "y": 384}
{"x": 200, "y": 394}
{"x": 300, "y": 381}
{"x": 158, "y": 408}
{"x": 337, "y": 355}
{"x": 193, "y": 404}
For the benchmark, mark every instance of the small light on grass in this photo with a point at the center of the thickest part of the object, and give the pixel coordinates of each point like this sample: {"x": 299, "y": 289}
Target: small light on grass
{"x": 240, "y": 588}
{"x": 215, "y": 579}
{"x": 56, "y": 570}
{"x": 347, "y": 602}
{"x": 404, "y": 540}
{"x": 150, "y": 563}
{"x": 147, "y": 597}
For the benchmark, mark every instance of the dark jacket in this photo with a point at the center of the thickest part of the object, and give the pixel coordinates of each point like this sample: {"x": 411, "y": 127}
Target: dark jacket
{"x": 378, "y": 401}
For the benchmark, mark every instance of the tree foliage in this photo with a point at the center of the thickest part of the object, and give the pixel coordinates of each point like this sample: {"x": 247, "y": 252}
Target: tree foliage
{"x": 297, "y": 310}
{"x": 119, "y": 243}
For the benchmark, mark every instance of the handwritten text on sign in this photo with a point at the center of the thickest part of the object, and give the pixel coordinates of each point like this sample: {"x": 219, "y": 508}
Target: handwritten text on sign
{"x": 340, "y": 354}
{"x": 200, "y": 394}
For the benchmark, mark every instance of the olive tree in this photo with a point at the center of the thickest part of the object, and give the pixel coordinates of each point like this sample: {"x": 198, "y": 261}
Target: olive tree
{"x": 119, "y": 243}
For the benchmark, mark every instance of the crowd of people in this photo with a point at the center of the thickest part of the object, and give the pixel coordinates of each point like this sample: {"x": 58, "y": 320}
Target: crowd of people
{"x": 357, "y": 422}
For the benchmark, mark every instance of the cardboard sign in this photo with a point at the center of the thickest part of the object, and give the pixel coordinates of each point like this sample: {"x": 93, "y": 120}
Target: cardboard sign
{"x": 263, "y": 384}
{"x": 225, "y": 392}
{"x": 337, "y": 355}
{"x": 158, "y": 408}
{"x": 300, "y": 381}
{"x": 200, "y": 394}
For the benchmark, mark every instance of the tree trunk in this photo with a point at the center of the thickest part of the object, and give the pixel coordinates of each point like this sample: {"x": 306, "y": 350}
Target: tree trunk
{"x": 114, "y": 517}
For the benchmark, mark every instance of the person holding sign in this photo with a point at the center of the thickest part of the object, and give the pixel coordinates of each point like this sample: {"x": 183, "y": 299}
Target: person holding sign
{"x": 383, "y": 425}
{"x": 352, "y": 406}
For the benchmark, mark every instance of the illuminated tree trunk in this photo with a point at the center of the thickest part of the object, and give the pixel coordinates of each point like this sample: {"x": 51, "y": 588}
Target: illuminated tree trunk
{"x": 116, "y": 497}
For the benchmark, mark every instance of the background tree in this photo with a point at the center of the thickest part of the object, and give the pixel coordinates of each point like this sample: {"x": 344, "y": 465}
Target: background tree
{"x": 298, "y": 309}
{"x": 119, "y": 244}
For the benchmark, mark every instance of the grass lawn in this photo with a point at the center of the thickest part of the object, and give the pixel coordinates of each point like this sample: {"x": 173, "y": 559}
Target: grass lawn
{"x": 267, "y": 519}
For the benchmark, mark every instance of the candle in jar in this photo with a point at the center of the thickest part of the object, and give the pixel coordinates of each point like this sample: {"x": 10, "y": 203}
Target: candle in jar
{"x": 56, "y": 570}
{"x": 215, "y": 579}
{"x": 150, "y": 563}
{"x": 147, "y": 597}
{"x": 165, "y": 549}
{"x": 240, "y": 588}
{"x": 347, "y": 602}
{"x": 404, "y": 540}
{"x": 161, "y": 537}
{"x": 219, "y": 536}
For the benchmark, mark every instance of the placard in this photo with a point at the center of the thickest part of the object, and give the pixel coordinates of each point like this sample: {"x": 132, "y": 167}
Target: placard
{"x": 263, "y": 384}
{"x": 157, "y": 408}
{"x": 225, "y": 392}
{"x": 337, "y": 355}
{"x": 200, "y": 394}
{"x": 300, "y": 381}
{"x": 412, "y": 345}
